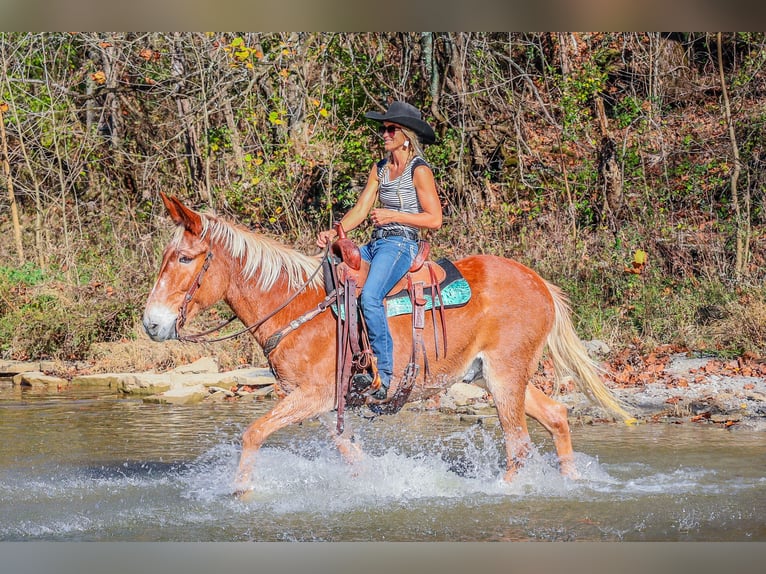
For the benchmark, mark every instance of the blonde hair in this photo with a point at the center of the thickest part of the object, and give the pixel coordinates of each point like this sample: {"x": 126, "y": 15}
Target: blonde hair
{"x": 415, "y": 148}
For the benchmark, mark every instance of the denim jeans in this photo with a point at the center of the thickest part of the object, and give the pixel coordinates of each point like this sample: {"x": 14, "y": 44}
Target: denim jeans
{"x": 389, "y": 259}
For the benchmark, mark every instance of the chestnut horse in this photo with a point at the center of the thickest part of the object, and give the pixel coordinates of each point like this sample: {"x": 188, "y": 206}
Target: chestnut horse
{"x": 501, "y": 332}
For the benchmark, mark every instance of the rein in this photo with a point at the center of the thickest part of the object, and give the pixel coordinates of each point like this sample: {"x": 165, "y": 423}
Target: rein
{"x": 272, "y": 341}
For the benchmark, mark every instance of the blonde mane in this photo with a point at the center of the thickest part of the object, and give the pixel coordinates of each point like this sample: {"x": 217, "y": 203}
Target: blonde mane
{"x": 260, "y": 255}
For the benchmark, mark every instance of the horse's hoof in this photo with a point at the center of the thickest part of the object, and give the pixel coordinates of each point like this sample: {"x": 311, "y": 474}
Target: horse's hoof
{"x": 243, "y": 494}
{"x": 571, "y": 474}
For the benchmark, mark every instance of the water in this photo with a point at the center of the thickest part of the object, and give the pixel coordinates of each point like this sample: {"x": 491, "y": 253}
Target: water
{"x": 85, "y": 465}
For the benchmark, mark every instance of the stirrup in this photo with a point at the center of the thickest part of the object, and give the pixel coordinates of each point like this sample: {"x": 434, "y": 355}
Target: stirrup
{"x": 380, "y": 395}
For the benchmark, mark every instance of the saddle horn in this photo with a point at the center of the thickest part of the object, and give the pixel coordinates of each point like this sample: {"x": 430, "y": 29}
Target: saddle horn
{"x": 346, "y": 249}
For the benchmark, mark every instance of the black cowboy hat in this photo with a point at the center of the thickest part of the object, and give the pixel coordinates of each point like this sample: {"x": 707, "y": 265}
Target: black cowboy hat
{"x": 408, "y": 116}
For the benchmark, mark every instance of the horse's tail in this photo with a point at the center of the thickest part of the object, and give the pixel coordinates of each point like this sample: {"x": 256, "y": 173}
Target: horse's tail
{"x": 571, "y": 359}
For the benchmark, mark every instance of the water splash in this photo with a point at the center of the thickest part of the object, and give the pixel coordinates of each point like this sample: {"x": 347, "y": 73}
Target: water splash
{"x": 407, "y": 488}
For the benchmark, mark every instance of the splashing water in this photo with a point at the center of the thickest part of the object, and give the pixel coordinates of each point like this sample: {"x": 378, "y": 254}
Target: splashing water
{"x": 425, "y": 478}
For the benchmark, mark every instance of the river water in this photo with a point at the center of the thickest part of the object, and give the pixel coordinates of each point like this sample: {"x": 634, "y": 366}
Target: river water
{"x": 87, "y": 465}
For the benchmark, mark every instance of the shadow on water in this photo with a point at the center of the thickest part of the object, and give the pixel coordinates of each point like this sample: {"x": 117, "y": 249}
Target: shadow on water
{"x": 107, "y": 468}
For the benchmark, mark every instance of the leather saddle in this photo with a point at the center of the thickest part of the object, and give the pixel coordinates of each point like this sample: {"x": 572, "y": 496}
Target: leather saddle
{"x": 352, "y": 265}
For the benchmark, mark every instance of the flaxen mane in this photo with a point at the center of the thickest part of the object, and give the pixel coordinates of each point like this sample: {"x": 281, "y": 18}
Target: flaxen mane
{"x": 259, "y": 254}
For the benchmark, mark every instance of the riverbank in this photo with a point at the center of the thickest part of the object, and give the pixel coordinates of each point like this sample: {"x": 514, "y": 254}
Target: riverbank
{"x": 669, "y": 386}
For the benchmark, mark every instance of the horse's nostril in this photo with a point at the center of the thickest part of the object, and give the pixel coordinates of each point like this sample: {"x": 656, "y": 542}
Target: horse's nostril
{"x": 149, "y": 327}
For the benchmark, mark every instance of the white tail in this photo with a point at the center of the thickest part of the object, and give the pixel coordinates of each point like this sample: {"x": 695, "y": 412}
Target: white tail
{"x": 571, "y": 359}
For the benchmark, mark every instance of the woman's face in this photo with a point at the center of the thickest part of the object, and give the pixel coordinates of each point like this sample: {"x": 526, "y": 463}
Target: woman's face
{"x": 393, "y": 136}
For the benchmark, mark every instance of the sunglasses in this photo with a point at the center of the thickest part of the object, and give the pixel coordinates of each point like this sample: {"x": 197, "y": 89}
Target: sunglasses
{"x": 390, "y": 130}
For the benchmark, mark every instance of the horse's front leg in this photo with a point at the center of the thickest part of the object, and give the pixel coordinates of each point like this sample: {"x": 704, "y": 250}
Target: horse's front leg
{"x": 349, "y": 450}
{"x": 296, "y": 407}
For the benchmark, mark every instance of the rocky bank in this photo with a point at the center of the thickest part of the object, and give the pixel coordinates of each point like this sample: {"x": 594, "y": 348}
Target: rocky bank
{"x": 676, "y": 389}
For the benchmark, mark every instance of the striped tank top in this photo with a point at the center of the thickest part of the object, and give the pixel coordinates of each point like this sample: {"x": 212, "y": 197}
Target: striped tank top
{"x": 399, "y": 194}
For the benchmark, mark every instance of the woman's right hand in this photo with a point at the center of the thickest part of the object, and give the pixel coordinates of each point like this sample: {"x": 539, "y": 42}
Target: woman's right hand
{"x": 326, "y": 237}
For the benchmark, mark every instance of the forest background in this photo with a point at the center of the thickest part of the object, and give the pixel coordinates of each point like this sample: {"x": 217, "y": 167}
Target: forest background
{"x": 628, "y": 168}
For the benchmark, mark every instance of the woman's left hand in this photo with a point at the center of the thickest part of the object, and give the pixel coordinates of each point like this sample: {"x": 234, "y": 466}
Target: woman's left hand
{"x": 381, "y": 216}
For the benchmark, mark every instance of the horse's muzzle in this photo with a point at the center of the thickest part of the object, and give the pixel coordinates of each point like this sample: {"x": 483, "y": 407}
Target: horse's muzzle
{"x": 160, "y": 327}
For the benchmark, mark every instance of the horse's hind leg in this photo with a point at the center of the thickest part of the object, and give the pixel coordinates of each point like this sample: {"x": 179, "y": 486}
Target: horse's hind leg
{"x": 553, "y": 416}
{"x": 506, "y": 380}
{"x": 296, "y": 407}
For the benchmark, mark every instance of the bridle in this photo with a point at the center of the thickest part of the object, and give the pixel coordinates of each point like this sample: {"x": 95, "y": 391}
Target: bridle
{"x": 181, "y": 319}
{"x": 274, "y": 339}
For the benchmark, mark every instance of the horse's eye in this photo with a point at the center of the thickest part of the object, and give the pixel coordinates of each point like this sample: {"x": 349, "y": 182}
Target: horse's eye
{"x": 184, "y": 259}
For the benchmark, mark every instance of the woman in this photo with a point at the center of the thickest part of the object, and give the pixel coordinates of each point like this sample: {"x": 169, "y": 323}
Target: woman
{"x": 403, "y": 183}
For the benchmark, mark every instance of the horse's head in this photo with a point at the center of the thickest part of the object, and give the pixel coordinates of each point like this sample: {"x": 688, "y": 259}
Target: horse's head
{"x": 187, "y": 283}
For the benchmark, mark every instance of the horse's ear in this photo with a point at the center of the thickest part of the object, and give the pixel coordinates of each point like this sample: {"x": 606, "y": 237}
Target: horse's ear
{"x": 182, "y": 215}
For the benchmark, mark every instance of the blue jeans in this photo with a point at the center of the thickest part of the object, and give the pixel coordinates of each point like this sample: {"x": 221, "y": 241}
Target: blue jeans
{"x": 390, "y": 258}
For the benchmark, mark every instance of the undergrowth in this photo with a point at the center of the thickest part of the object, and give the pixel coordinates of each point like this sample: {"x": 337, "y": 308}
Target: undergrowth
{"x": 44, "y": 315}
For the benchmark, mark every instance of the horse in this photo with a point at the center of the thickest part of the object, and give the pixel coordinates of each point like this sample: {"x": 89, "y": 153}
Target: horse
{"x": 501, "y": 333}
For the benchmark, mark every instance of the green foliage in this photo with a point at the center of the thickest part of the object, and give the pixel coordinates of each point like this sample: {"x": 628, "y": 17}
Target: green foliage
{"x": 269, "y": 128}
{"x": 629, "y": 111}
{"x": 28, "y": 274}
{"x": 577, "y": 92}
{"x": 49, "y": 326}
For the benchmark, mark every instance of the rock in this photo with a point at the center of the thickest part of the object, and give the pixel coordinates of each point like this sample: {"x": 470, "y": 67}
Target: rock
{"x": 680, "y": 364}
{"x": 180, "y": 396}
{"x": 101, "y": 380}
{"x": 201, "y": 374}
{"x": 11, "y": 368}
{"x": 253, "y": 377}
{"x": 261, "y": 391}
{"x": 220, "y": 390}
{"x": 597, "y": 348}
{"x": 37, "y": 379}
{"x": 129, "y": 383}
{"x": 16, "y": 367}
{"x": 203, "y": 365}
{"x": 217, "y": 397}
{"x": 461, "y": 394}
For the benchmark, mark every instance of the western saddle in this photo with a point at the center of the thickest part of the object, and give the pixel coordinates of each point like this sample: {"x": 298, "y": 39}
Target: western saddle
{"x": 346, "y": 272}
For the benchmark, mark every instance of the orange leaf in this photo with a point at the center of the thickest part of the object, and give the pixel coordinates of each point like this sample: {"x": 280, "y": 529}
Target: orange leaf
{"x": 149, "y": 54}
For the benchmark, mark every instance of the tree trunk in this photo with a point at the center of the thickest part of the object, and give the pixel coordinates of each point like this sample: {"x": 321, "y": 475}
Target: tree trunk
{"x": 9, "y": 184}
{"x": 191, "y": 140}
{"x": 609, "y": 173}
{"x": 742, "y": 223}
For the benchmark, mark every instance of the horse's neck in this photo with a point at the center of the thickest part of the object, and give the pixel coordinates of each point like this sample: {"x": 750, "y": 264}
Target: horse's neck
{"x": 252, "y": 304}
